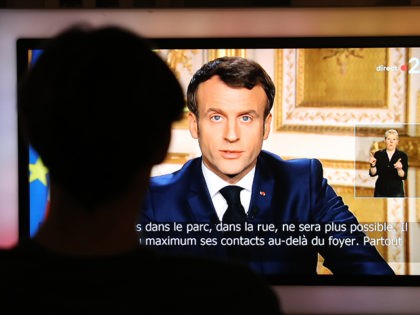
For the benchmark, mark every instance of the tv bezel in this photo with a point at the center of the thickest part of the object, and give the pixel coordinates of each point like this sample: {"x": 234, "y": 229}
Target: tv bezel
{"x": 24, "y": 44}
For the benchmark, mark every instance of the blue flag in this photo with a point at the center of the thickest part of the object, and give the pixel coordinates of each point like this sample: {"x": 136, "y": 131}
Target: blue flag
{"x": 38, "y": 191}
{"x": 38, "y": 178}
{"x": 34, "y": 55}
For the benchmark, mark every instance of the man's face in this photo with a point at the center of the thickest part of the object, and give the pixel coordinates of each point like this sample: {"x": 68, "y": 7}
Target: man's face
{"x": 230, "y": 128}
{"x": 391, "y": 142}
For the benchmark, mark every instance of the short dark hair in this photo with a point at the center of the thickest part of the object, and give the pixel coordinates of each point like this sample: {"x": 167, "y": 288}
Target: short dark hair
{"x": 235, "y": 72}
{"x": 97, "y": 106}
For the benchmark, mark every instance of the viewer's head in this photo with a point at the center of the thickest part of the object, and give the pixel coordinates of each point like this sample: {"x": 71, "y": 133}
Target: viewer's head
{"x": 230, "y": 100}
{"x": 98, "y": 106}
{"x": 391, "y": 139}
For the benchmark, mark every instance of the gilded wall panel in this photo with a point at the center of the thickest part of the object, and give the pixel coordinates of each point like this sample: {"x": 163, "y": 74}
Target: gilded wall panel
{"x": 327, "y": 90}
{"x": 341, "y": 77}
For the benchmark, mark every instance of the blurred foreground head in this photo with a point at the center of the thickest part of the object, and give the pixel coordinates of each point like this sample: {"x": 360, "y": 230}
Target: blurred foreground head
{"x": 98, "y": 106}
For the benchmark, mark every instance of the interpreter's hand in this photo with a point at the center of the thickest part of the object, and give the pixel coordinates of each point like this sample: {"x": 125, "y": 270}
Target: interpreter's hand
{"x": 372, "y": 160}
{"x": 398, "y": 165}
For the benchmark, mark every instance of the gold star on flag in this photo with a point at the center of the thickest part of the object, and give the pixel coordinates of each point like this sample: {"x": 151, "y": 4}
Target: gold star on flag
{"x": 38, "y": 171}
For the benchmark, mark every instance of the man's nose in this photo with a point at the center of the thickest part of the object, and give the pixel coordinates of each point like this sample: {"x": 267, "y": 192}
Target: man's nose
{"x": 231, "y": 132}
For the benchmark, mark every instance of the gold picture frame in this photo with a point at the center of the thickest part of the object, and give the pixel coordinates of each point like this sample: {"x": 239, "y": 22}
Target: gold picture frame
{"x": 321, "y": 90}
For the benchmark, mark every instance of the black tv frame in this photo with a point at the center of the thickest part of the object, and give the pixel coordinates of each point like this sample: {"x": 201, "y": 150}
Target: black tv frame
{"x": 25, "y": 44}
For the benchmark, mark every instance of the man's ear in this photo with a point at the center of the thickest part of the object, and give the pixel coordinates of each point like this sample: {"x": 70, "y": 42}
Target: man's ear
{"x": 193, "y": 125}
{"x": 267, "y": 126}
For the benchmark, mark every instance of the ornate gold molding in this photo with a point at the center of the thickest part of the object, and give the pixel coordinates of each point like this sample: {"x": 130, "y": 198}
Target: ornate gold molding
{"x": 331, "y": 78}
{"x": 344, "y": 114}
{"x": 176, "y": 58}
{"x": 177, "y": 158}
{"x": 337, "y": 164}
{"x": 180, "y": 61}
{"x": 418, "y": 210}
{"x": 361, "y": 191}
{"x": 216, "y": 53}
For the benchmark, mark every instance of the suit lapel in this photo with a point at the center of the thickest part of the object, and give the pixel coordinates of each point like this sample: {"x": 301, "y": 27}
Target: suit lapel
{"x": 262, "y": 193}
{"x": 198, "y": 197}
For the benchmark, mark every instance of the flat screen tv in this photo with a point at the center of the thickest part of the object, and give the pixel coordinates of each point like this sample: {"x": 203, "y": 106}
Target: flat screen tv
{"x": 354, "y": 87}
{"x": 337, "y": 94}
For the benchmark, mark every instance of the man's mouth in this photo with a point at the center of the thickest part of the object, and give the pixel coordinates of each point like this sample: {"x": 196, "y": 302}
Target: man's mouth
{"x": 230, "y": 154}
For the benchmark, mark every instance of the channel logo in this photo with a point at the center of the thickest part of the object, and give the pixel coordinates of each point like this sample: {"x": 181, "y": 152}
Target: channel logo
{"x": 382, "y": 68}
{"x": 413, "y": 67}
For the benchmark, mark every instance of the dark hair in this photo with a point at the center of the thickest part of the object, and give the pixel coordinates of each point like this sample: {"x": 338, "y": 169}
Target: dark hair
{"x": 235, "y": 72}
{"x": 97, "y": 106}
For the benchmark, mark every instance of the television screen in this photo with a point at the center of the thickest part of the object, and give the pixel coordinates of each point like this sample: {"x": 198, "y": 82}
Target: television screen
{"x": 336, "y": 97}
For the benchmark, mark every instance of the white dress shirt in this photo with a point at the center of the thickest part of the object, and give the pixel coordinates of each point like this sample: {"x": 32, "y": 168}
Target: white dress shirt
{"x": 215, "y": 183}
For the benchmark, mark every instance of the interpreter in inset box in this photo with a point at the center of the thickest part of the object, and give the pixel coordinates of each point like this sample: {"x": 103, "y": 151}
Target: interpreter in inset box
{"x": 391, "y": 167}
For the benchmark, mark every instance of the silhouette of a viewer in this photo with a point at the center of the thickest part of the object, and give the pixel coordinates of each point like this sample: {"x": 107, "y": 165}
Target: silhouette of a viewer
{"x": 98, "y": 106}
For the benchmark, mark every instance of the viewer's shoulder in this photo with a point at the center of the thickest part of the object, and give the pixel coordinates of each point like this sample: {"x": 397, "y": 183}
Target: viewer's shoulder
{"x": 224, "y": 281}
{"x": 117, "y": 280}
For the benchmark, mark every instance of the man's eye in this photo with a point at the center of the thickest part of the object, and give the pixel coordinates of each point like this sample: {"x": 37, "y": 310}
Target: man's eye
{"x": 216, "y": 118}
{"x": 246, "y": 118}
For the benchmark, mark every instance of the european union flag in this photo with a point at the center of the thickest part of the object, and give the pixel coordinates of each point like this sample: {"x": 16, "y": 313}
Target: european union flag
{"x": 38, "y": 191}
{"x": 38, "y": 177}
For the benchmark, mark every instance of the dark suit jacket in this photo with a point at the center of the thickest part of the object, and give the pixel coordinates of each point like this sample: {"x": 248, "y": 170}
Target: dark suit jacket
{"x": 389, "y": 184}
{"x": 292, "y": 192}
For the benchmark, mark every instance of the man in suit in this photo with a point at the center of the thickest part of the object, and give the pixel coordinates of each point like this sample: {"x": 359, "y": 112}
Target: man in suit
{"x": 391, "y": 167}
{"x": 230, "y": 100}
